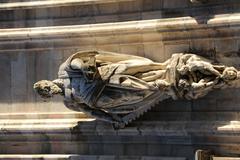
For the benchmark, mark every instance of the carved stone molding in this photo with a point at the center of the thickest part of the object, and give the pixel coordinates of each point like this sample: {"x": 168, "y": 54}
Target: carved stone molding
{"x": 49, "y": 3}
{"x": 73, "y": 36}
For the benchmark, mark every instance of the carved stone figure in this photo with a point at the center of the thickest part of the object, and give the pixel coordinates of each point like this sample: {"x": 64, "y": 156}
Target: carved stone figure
{"x": 119, "y": 88}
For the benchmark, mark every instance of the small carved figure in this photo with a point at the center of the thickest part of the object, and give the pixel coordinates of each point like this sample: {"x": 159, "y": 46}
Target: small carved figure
{"x": 119, "y": 88}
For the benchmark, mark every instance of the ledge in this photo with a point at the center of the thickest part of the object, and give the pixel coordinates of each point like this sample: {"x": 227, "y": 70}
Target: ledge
{"x": 57, "y": 3}
{"x": 225, "y": 158}
{"x": 41, "y": 115}
{"x": 79, "y": 157}
{"x": 172, "y": 29}
{"x": 51, "y": 3}
{"x": 142, "y": 26}
{"x": 91, "y": 127}
{"x": 18, "y": 133}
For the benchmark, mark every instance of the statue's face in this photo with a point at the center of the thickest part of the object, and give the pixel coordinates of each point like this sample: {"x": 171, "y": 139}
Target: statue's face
{"x": 230, "y": 73}
{"x": 46, "y": 89}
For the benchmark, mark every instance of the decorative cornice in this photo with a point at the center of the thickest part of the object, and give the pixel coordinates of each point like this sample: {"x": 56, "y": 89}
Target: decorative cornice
{"x": 172, "y": 29}
{"x": 50, "y": 3}
{"x": 91, "y": 127}
{"x": 77, "y": 157}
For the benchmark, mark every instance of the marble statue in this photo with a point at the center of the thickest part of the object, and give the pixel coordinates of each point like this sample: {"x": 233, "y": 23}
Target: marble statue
{"x": 118, "y": 88}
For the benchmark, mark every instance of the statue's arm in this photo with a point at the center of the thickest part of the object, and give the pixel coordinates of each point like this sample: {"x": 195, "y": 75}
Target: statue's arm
{"x": 77, "y": 63}
{"x": 87, "y": 67}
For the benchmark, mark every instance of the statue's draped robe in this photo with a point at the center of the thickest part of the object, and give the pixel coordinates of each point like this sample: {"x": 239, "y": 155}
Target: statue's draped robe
{"x": 116, "y": 84}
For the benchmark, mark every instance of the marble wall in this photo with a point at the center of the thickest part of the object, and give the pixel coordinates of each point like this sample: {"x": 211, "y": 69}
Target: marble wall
{"x": 35, "y": 41}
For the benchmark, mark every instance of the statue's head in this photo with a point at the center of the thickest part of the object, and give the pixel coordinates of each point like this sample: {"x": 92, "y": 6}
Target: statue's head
{"x": 229, "y": 74}
{"x": 46, "y": 89}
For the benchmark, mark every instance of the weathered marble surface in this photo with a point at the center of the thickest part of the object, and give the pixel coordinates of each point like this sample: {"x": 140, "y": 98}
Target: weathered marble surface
{"x": 209, "y": 155}
{"x": 119, "y": 87}
{"x": 175, "y": 128}
{"x": 49, "y": 3}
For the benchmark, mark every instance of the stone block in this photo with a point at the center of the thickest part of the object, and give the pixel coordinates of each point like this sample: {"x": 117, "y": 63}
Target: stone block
{"x": 30, "y": 69}
{"x": 130, "y": 38}
{"x": 107, "y": 158}
{"x": 103, "y": 9}
{"x": 19, "y": 79}
{"x": 105, "y": 129}
{"x": 203, "y": 116}
{"x": 182, "y": 151}
{"x": 108, "y": 40}
{"x": 227, "y": 116}
{"x": 42, "y": 65}
{"x": 175, "y": 3}
{"x": 135, "y": 149}
{"x": 228, "y": 104}
{"x": 135, "y": 49}
{"x": 5, "y": 85}
{"x": 114, "y": 149}
{"x": 54, "y": 12}
{"x": 175, "y": 48}
{"x": 83, "y": 20}
{"x": 225, "y": 158}
{"x": 158, "y": 5}
{"x": 21, "y": 147}
{"x": 83, "y": 11}
{"x": 71, "y": 148}
{"x": 96, "y": 149}
{"x": 110, "y": 48}
{"x": 154, "y": 51}
{"x": 163, "y": 158}
{"x": 159, "y": 149}
{"x": 151, "y": 15}
{"x": 202, "y": 45}
{"x": 105, "y": 19}
{"x": 67, "y": 11}
{"x": 204, "y": 104}
{"x": 130, "y": 16}
{"x": 85, "y": 42}
{"x": 41, "y": 13}
{"x": 149, "y": 5}
{"x": 226, "y": 45}
{"x": 130, "y": 130}
{"x": 56, "y": 59}
{"x": 173, "y": 106}
{"x": 152, "y": 37}
{"x": 166, "y": 116}
{"x": 132, "y": 6}
{"x": 84, "y": 157}
{"x": 171, "y": 34}
{"x": 18, "y": 15}
{"x": 7, "y": 15}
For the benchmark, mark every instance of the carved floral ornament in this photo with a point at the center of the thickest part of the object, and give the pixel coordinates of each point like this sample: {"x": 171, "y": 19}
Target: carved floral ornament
{"x": 118, "y": 88}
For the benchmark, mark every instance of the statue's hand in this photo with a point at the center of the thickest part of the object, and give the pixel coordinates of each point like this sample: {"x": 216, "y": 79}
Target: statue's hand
{"x": 90, "y": 69}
